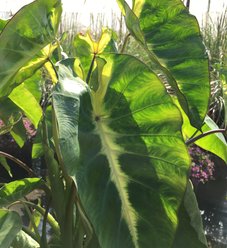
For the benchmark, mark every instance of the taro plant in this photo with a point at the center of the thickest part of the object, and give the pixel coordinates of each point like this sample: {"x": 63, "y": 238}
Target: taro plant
{"x": 114, "y": 140}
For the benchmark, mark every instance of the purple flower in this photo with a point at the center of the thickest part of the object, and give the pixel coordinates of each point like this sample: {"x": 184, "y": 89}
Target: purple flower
{"x": 202, "y": 167}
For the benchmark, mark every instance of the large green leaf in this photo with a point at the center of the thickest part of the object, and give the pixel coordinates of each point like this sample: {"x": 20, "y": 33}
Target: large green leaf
{"x": 172, "y": 39}
{"x": 133, "y": 164}
{"x": 30, "y": 30}
{"x": 16, "y": 190}
{"x": 10, "y": 225}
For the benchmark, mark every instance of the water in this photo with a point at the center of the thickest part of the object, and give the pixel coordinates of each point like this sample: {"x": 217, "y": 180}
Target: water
{"x": 215, "y": 225}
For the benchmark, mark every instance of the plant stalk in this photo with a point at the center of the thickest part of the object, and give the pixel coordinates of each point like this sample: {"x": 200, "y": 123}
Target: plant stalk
{"x": 19, "y": 162}
{"x": 200, "y": 136}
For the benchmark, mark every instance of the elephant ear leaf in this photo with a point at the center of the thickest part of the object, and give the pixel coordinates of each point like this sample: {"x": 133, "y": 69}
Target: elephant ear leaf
{"x": 172, "y": 39}
{"x": 28, "y": 31}
{"x": 133, "y": 165}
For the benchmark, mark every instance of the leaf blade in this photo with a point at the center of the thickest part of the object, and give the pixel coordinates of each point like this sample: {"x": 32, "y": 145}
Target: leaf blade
{"x": 124, "y": 124}
{"x": 171, "y": 37}
{"x": 15, "y": 190}
{"x": 10, "y": 225}
{"x": 31, "y": 29}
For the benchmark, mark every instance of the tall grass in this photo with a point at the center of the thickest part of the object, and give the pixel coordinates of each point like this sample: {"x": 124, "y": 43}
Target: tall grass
{"x": 214, "y": 32}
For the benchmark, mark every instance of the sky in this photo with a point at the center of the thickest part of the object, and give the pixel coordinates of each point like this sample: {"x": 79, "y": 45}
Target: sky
{"x": 197, "y": 8}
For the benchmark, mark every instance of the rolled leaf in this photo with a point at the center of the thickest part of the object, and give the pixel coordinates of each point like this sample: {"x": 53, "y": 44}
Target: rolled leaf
{"x": 172, "y": 39}
{"x": 10, "y": 225}
{"x": 31, "y": 29}
{"x": 66, "y": 104}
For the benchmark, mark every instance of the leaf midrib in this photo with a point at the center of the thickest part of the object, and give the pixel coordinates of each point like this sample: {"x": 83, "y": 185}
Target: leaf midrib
{"x": 128, "y": 213}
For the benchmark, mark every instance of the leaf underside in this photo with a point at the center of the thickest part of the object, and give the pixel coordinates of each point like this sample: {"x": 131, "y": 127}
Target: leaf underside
{"x": 172, "y": 39}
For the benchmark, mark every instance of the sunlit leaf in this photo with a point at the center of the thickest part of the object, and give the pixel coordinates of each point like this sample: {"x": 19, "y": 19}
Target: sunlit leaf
{"x": 34, "y": 84}
{"x": 86, "y": 49}
{"x": 40, "y": 59}
{"x": 172, "y": 39}
{"x": 19, "y": 133}
{"x": 133, "y": 164}
{"x": 214, "y": 143}
{"x": 136, "y": 165}
{"x": 24, "y": 99}
{"x": 16, "y": 190}
{"x": 28, "y": 31}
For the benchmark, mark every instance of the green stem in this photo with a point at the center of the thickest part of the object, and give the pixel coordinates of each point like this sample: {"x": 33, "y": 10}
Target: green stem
{"x": 69, "y": 216}
{"x": 19, "y": 162}
{"x": 57, "y": 145}
{"x": 45, "y": 216}
{"x": 50, "y": 219}
{"x": 55, "y": 178}
{"x": 59, "y": 49}
{"x": 194, "y": 134}
{"x": 193, "y": 140}
{"x": 90, "y": 69}
{"x": 125, "y": 43}
{"x": 85, "y": 222}
{"x": 32, "y": 222}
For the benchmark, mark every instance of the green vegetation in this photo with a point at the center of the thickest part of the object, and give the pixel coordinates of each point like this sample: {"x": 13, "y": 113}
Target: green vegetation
{"x": 113, "y": 137}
